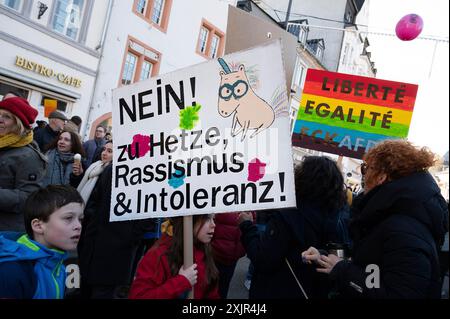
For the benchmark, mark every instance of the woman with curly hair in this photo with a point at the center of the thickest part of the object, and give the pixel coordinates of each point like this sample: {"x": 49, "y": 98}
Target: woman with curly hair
{"x": 398, "y": 225}
{"x": 279, "y": 271}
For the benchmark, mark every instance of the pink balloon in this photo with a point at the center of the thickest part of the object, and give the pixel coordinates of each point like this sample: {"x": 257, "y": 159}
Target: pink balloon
{"x": 409, "y": 27}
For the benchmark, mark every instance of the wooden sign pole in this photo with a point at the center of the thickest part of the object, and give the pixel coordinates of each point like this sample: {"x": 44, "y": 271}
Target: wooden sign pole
{"x": 188, "y": 247}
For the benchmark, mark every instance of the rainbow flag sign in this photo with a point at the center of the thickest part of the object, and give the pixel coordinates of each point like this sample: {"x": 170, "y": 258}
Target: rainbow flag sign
{"x": 347, "y": 114}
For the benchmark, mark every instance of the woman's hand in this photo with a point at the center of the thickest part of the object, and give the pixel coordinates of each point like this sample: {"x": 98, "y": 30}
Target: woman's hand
{"x": 190, "y": 273}
{"x": 327, "y": 263}
{"x": 311, "y": 255}
{"x": 77, "y": 169}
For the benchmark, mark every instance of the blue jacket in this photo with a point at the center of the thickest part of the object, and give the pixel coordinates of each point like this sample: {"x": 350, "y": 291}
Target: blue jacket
{"x": 30, "y": 270}
{"x": 90, "y": 148}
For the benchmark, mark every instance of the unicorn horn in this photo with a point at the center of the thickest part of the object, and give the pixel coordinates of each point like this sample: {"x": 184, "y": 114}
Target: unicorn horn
{"x": 224, "y": 66}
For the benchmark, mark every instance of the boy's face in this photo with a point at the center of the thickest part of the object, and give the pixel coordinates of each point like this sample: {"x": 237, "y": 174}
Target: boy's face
{"x": 63, "y": 228}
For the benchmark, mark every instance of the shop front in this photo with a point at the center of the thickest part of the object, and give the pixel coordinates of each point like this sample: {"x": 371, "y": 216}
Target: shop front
{"x": 47, "y": 84}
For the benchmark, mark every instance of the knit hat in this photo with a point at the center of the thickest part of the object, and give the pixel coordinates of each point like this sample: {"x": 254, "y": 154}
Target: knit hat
{"x": 20, "y": 108}
{"x": 57, "y": 115}
{"x": 76, "y": 119}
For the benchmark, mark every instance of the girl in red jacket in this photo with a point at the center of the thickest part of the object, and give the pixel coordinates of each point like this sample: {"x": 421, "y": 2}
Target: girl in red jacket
{"x": 161, "y": 275}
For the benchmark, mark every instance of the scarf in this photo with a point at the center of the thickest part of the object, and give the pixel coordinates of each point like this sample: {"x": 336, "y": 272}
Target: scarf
{"x": 14, "y": 140}
{"x": 59, "y": 168}
{"x": 90, "y": 178}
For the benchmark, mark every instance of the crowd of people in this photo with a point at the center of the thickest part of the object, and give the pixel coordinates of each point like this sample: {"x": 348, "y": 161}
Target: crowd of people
{"x": 55, "y": 197}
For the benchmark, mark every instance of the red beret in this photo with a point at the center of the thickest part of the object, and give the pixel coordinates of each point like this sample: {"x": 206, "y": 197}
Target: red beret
{"x": 20, "y": 108}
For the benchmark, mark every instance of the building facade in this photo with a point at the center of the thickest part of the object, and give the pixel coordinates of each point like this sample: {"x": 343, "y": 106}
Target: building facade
{"x": 332, "y": 30}
{"x": 50, "y": 52}
{"x": 330, "y": 36}
{"x": 355, "y": 57}
{"x": 146, "y": 38}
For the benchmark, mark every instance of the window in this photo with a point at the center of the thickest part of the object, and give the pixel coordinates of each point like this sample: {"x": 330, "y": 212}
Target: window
{"x": 346, "y": 55}
{"x": 146, "y": 70}
{"x": 299, "y": 29}
{"x": 129, "y": 69}
{"x": 210, "y": 41}
{"x": 7, "y": 88}
{"x": 348, "y": 17}
{"x": 294, "y": 28}
{"x": 67, "y": 17}
{"x": 60, "y": 105}
{"x": 13, "y": 4}
{"x": 319, "y": 52}
{"x": 214, "y": 46}
{"x": 293, "y": 118}
{"x": 299, "y": 76}
{"x": 140, "y": 62}
{"x": 155, "y": 12}
{"x": 141, "y": 6}
{"x": 203, "y": 40}
{"x": 302, "y": 35}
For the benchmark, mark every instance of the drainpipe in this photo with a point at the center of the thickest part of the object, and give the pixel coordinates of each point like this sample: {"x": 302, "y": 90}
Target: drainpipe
{"x": 102, "y": 46}
{"x": 287, "y": 15}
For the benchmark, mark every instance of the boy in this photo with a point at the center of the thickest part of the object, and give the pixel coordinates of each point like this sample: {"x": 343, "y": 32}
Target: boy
{"x": 31, "y": 264}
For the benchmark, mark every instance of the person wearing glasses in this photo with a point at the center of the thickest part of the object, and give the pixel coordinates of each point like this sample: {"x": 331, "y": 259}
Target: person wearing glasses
{"x": 397, "y": 225}
{"x": 97, "y": 143}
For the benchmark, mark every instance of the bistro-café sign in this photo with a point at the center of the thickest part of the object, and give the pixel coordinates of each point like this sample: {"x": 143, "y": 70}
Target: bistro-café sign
{"x": 48, "y": 72}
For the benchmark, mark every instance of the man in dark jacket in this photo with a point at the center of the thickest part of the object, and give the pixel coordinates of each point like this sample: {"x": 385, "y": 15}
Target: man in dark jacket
{"x": 95, "y": 145}
{"x": 44, "y": 136}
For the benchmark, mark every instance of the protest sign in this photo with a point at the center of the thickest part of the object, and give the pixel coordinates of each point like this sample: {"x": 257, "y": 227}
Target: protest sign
{"x": 210, "y": 138}
{"x": 347, "y": 114}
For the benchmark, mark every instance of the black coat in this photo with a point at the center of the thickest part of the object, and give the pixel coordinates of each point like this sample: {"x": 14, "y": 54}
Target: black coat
{"x": 44, "y": 136}
{"x": 397, "y": 226}
{"x": 288, "y": 233}
{"x": 107, "y": 249}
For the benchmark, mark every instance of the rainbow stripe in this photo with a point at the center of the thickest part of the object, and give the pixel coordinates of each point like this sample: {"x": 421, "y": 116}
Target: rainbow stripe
{"x": 357, "y": 112}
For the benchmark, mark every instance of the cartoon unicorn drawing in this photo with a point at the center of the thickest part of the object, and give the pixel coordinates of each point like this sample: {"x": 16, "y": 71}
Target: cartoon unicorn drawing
{"x": 238, "y": 98}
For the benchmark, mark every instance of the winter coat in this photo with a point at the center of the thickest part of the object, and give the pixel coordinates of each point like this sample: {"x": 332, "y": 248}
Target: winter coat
{"x": 397, "y": 227}
{"x": 22, "y": 170}
{"x": 44, "y": 136}
{"x": 288, "y": 233}
{"x": 30, "y": 270}
{"x": 90, "y": 147}
{"x": 107, "y": 249}
{"x": 226, "y": 243}
{"x": 154, "y": 279}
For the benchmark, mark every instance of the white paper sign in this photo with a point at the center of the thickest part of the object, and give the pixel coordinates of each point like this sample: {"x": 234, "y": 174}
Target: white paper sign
{"x": 210, "y": 138}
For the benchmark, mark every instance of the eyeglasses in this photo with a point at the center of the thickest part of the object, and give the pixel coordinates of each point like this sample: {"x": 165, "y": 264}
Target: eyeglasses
{"x": 238, "y": 89}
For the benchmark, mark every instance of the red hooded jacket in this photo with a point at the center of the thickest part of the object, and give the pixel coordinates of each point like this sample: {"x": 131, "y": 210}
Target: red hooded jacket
{"x": 226, "y": 243}
{"x": 154, "y": 280}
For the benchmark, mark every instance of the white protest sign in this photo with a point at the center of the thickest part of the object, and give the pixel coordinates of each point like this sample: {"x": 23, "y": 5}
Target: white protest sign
{"x": 210, "y": 138}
